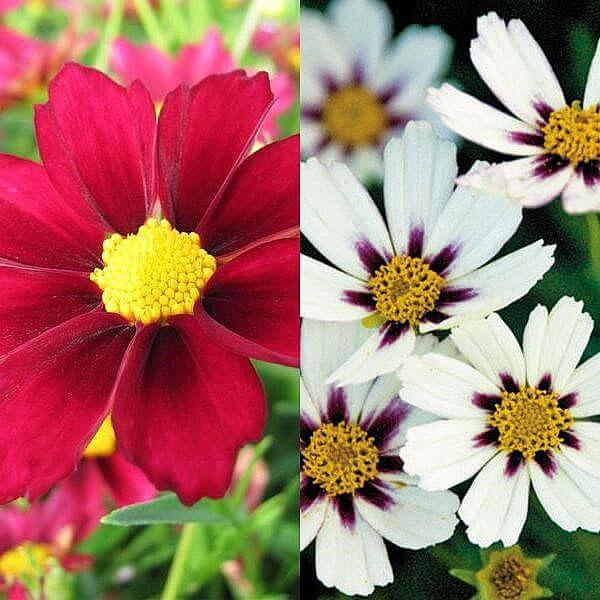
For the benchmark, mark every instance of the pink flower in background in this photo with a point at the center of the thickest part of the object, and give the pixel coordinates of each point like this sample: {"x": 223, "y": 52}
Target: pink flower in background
{"x": 281, "y": 43}
{"x": 160, "y": 73}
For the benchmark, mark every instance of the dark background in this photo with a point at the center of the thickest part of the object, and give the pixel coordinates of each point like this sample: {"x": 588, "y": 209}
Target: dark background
{"x": 568, "y": 33}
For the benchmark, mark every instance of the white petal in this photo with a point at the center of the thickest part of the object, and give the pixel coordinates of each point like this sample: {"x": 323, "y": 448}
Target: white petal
{"x": 495, "y": 507}
{"x": 585, "y": 382}
{"x": 366, "y": 163}
{"x": 382, "y": 352}
{"x": 497, "y": 284}
{"x": 524, "y": 180}
{"x": 564, "y": 496}
{"x": 556, "y": 349}
{"x": 418, "y": 56}
{"x": 311, "y": 521}
{"x": 366, "y": 26}
{"x": 592, "y": 88}
{"x": 492, "y": 349}
{"x": 311, "y": 134}
{"x": 579, "y": 197}
{"x": 352, "y": 560}
{"x": 339, "y": 217}
{"x": 323, "y": 347}
{"x": 416, "y": 520}
{"x": 444, "y": 386}
{"x": 326, "y": 293}
{"x": 419, "y": 176}
{"x": 477, "y": 224}
{"x": 514, "y": 67}
{"x": 443, "y": 453}
{"x": 481, "y": 123}
{"x": 307, "y": 405}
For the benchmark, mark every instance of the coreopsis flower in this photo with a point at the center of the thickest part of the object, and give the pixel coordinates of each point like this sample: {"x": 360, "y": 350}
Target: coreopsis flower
{"x": 282, "y": 43}
{"x": 559, "y": 142}
{"x": 140, "y": 265}
{"x": 357, "y": 89}
{"x": 161, "y": 74}
{"x": 514, "y": 417}
{"x": 426, "y": 269}
{"x": 507, "y": 574}
{"x": 353, "y": 490}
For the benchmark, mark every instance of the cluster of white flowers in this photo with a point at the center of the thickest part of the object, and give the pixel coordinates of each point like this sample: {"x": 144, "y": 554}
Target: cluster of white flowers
{"x": 392, "y": 418}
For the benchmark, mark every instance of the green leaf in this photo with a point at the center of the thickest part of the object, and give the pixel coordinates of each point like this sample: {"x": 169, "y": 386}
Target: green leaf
{"x": 165, "y": 509}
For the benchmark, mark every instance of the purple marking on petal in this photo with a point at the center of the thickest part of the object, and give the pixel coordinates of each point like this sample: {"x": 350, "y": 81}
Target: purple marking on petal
{"x": 359, "y": 298}
{"x": 531, "y": 139}
{"x": 389, "y": 93}
{"x": 358, "y": 75}
{"x": 309, "y": 493}
{"x": 322, "y": 144}
{"x": 452, "y": 295}
{"x": 307, "y": 427}
{"x": 544, "y": 110}
{"x": 399, "y": 121}
{"x": 547, "y": 165}
{"x": 329, "y": 83}
{"x": 568, "y": 401}
{"x": 415, "y": 241}
{"x": 546, "y": 462}
{"x": 313, "y": 113}
{"x": 508, "y": 382}
{"x": 383, "y": 426}
{"x": 390, "y": 464}
{"x": 377, "y": 492}
{"x": 442, "y": 261}
{"x": 545, "y": 383}
{"x": 570, "y": 439}
{"x": 435, "y": 317}
{"x": 337, "y": 407}
{"x": 486, "y": 401}
{"x": 489, "y": 437}
{"x": 513, "y": 462}
{"x": 344, "y": 504}
{"x": 393, "y": 331}
{"x": 590, "y": 171}
{"x": 369, "y": 256}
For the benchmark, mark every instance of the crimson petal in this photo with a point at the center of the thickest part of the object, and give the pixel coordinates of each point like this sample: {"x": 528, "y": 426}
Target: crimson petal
{"x": 126, "y": 483}
{"x": 261, "y": 202}
{"x": 203, "y": 134}
{"x": 54, "y": 392}
{"x": 96, "y": 139}
{"x": 252, "y": 304}
{"x": 183, "y": 407}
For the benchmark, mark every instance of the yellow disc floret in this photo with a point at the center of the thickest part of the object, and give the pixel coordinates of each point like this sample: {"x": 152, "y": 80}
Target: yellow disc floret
{"x": 154, "y": 274}
{"x": 529, "y": 421}
{"x": 573, "y": 133}
{"x": 354, "y": 116}
{"x": 405, "y": 289}
{"x": 104, "y": 442}
{"x": 26, "y": 560}
{"x": 340, "y": 458}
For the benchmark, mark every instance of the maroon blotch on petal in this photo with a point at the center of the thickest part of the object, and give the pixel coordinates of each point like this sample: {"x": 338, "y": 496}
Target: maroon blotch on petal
{"x": 435, "y": 316}
{"x": 486, "y": 401}
{"x": 571, "y": 440}
{"x": 547, "y": 165}
{"x": 546, "y": 462}
{"x": 392, "y": 333}
{"x": 589, "y": 171}
{"x": 568, "y": 401}
{"x": 389, "y": 93}
{"x": 359, "y": 298}
{"x": 376, "y": 492}
{"x": 344, "y": 504}
{"x": 384, "y": 426}
{"x": 313, "y": 113}
{"x": 415, "y": 241}
{"x": 309, "y": 492}
{"x": 513, "y": 462}
{"x": 390, "y": 464}
{"x": 337, "y": 407}
{"x": 452, "y": 295}
{"x": 442, "y": 261}
{"x": 545, "y": 383}
{"x": 531, "y": 139}
{"x": 544, "y": 110}
{"x": 307, "y": 427}
{"x": 509, "y": 383}
{"x": 369, "y": 256}
{"x": 488, "y": 437}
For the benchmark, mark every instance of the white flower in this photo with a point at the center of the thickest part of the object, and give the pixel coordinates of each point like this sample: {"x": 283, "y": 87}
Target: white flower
{"x": 426, "y": 269}
{"x": 513, "y": 417}
{"x": 353, "y": 491}
{"x": 357, "y": 89}
{"x": 560, "y": 142}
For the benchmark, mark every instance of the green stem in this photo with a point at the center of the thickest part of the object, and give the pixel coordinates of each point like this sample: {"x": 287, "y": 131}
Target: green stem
{"x": 151, "y": 25}
{"x": 594, "y": 244}
{"x": 172, "y": 12}
{"x": 172, "y": 590}
{"x": 247, "y": 29}
{"x": 111, "y": 31}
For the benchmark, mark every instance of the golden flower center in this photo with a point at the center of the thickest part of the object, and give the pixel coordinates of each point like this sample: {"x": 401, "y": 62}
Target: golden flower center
{"x": 26, "y": 560}
{"x": 340, "y": 458}
{"x": 511, "y": 579}
{"x": 529, "y": 421}
{"x": 573, "y": 133}
{"x": 354, "y": 116}
{"x": 405, "y": 289}
{"x": 104, "y": 442}
{"x": 153, "y": 274}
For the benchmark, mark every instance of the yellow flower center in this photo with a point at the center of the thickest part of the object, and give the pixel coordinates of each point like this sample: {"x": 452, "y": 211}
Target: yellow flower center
{"x": 405, "y": 289}
{"x": 529, "y": 421}
{"x": 154, "y": 274}
{"x": 354, "y": 116}
{"x": 104, "y": 442}
{"x": 511, "y": 578}
{"x": 26, "y": 560}
{"x": 574, "y": 133}
{"x": 340, "y": 458}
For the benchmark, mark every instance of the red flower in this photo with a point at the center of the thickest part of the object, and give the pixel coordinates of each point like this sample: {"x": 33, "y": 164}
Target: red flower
{"x": 161, "y": 74}
{"x": 160, "y": 337}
